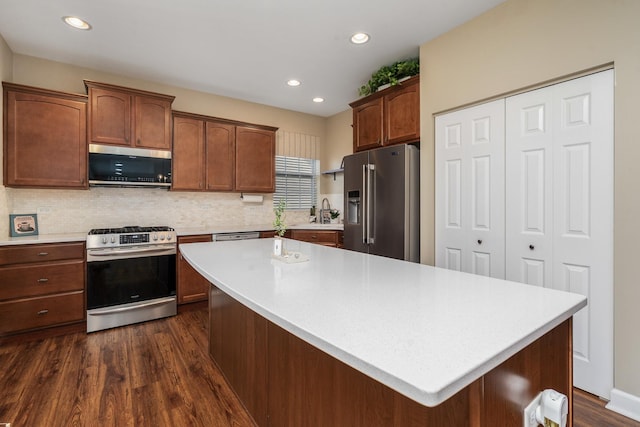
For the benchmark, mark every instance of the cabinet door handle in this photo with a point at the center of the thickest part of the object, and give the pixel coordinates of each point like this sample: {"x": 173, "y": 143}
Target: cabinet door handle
{"x": 43, "y": 254}
{"x": 479, "y": 241}
{"x": 531, "y": 247}
{"x": 43, "y": 312}
{"x": 43, "y": 280}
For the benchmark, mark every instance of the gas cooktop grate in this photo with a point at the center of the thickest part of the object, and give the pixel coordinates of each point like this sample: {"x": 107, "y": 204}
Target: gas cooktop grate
{"x": 130, "y": 229}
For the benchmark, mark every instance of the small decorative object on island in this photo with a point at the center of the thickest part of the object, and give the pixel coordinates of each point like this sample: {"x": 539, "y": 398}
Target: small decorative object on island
{"x": 280, "y": 227}
{"x": 23, "y": 225}
{"x": 391, "y": 75}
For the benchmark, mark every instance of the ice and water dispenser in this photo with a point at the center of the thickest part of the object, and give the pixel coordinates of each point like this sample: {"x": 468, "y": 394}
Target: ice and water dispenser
{"x": 353, "y": 207}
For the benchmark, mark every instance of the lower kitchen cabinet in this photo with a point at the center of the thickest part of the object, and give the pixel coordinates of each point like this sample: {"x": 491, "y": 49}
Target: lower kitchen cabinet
{"x": 41, "y": 286}
{"x": 331, "y": 238}
{"x": 192, "y": 286}
{"x": 238, "y": 344}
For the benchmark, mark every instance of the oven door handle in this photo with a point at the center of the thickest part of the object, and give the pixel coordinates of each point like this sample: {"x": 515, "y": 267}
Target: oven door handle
{"x": 132, "y": 307}
{"x": 118, "y": 253}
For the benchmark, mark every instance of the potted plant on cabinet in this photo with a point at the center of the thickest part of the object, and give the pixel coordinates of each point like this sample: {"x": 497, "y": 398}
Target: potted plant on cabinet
{"x": 391, "y": 75}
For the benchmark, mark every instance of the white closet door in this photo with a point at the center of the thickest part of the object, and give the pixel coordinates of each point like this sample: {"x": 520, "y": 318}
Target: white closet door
{"x": 470, "y": 190}
{"x": 559, "y": 200}
{"x": 528, "y": 157}
{"x": 583, "y": 221}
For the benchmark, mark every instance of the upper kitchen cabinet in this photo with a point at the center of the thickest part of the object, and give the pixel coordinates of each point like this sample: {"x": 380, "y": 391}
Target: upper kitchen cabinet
{"x": 45, "y": 138}
{"x": 390, "y": 116}
{"x": 129, "y": 117}
{"x": 188, "y": 160}
{"x": 255, "y": 160}
{"x": 211, "y": 154}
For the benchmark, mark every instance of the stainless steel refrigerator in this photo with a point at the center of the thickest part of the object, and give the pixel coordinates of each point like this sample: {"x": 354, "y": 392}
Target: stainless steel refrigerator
{"x": 382, "y": 202}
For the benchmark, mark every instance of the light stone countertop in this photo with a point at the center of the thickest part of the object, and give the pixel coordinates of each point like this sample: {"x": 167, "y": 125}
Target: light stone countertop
{"x": 263, "y": 227}
{"x": 81, "y": 237}
{"x": 425, "y": 332}
{"x": 44, "y": 238}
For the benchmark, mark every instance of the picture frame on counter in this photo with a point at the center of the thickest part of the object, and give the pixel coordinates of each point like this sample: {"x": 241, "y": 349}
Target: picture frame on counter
{"x": 23, "y": 225}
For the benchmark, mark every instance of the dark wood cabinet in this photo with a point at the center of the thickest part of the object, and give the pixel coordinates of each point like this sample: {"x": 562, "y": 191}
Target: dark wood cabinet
{"x": 129, "y": 117}
{"x": 211, "y": 154}
{"x": 391, "y": 116}
{"x": 255, "y": 160}
{"x": 188, "y": 154}
{"x": 367, "y": 125}
{"x": 45, "y": 138}
{"x": 220, "y": 156}
{"x": 321, "y": 237}
{"x": 192, "y": 286}
{"x": 238, "y": 344}
{"x": 41, "y": 286}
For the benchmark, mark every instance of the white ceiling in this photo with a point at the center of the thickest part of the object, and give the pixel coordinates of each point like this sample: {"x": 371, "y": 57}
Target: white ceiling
{"x": 245, "y": 49}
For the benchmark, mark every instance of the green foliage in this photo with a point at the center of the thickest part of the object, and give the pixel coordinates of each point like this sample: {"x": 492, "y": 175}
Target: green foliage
{"x": 278, "y": 223}
{"x": 390, "y": 74}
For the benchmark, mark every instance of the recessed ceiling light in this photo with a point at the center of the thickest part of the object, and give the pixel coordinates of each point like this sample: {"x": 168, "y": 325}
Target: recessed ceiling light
{"x": 293, "y": 82}
{"x": 359, "y": 38}
{"x": 76, "y": 22}
{"x": 318, "y": 99}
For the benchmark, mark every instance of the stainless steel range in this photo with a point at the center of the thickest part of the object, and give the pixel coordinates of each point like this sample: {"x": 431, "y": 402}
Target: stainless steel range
{"x": 131, "y": 275}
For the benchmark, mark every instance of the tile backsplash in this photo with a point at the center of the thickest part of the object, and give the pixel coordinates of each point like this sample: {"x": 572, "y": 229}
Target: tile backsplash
{"x": 78, "y": 211}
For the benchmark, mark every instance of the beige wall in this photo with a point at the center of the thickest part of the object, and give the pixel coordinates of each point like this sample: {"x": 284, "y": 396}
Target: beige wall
{"x": 339, "y": 137}
{"x": 522, "y": 43}
{"x": 55, "y": 75}
{"x": 6, "y": 74}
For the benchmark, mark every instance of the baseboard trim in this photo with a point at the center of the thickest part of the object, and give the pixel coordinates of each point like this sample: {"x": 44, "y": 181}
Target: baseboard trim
{"x": 625, "y": 404}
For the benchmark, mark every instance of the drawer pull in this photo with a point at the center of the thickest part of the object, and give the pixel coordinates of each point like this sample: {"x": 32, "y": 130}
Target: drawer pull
{"x": 43, "y": 312}
{"x": 43, "y": 254}
{"x": 43, "y": 280}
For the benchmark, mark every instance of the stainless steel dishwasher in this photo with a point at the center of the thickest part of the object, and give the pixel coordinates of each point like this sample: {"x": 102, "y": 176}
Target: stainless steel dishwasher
{"x": 242, "y": 235}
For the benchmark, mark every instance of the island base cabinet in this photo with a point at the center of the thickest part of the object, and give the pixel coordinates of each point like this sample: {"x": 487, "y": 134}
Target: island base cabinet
{"x": 237, "y": 343}
{"x": 284, "y": 381}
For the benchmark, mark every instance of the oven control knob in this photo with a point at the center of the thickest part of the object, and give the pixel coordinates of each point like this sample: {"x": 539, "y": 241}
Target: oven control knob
{"x": 104, "y": 239}
{"x": 169, "y": 237}
{"x": 155, "y": 237}
{"x": 162, "y": 237}
{"x": 113, "y": 239}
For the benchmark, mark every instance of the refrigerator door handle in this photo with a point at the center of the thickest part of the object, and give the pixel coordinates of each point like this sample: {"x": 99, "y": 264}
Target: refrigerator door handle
{"x": 370, "y": 202}
{"x": 365, "y": 199}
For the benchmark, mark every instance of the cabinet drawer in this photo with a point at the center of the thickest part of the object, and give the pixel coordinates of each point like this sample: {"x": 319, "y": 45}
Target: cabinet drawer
{"x": 23, "y": 281}
{"x": 19, "y": 315}
{"x": 41, "y": 253}
{"x": 323, "y": 236}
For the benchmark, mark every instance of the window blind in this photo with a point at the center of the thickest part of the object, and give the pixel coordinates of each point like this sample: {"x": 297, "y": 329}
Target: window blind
{"x": 296, "y": 182}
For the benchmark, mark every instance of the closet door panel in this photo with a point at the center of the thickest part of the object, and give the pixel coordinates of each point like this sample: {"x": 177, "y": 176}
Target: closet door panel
{"x": 452, "y": 217}
{"x": 528, "y": 172}
{"x": 583, "y": 220}
{"x": 470, "y": 189}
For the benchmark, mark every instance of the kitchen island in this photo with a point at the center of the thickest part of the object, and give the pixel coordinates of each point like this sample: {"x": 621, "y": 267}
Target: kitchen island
{"x": 352, "y": 339}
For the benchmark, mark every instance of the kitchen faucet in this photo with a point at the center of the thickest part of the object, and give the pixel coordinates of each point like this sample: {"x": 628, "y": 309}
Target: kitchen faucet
{"x": 325, "y": 212}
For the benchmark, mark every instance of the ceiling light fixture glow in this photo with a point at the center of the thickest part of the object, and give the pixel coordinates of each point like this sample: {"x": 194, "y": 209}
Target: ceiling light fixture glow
{"x": 318, "y": 99}
{"x": 76, "y": 22}
{"x": 359, "y": 38}
{"x": 293, "y": 82}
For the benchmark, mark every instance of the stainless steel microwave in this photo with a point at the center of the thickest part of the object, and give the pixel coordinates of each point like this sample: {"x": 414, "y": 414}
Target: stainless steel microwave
{"x": 128, "y": 167}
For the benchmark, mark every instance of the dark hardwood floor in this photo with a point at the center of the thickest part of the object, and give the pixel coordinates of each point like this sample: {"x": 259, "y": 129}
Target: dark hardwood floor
{"x": 152, "y": 374}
